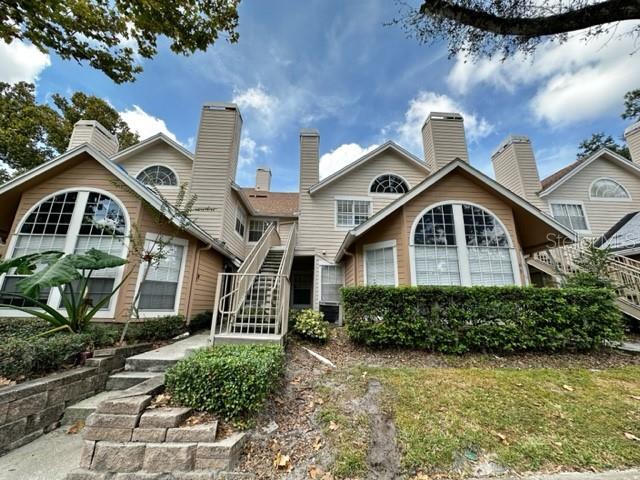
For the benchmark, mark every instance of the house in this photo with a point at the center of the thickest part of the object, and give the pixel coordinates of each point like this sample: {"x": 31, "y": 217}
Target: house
{"x": 250, "y": 254}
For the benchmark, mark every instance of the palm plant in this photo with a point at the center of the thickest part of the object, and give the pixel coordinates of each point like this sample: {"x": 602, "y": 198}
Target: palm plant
{"x": 70, "y": 274}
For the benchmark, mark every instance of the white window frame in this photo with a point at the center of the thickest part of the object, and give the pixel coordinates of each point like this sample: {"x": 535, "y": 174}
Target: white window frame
{"x": 609, "y": 199}
{"x": 267, "y": 221}
{"x": 377, "y": 246}
{"x": 327, "y": 264}
{"x": 159, "y": 186}
{"x": 349, "y": 199}
{"x": 71, "y": 242}
{"x": 461, "y": 242}
{"x": 387, "y": 195}
{"x": 572, "y": 202}
{"x": 240, "y": 215}
{"x": 152, "y": 237}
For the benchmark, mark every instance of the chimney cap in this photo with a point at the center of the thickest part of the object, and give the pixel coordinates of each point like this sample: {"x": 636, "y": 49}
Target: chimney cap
{"x": 511, "y": 139}
{"x": 443, "y": 116}
{"x": 309, "y": 132}
{"x": 98, "y": 126}
{"x": 631, "y": 128}
{"x": 264, "y": 169}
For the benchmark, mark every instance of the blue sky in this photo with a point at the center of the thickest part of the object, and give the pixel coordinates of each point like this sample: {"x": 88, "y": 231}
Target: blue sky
{"x": 335, "y": 66}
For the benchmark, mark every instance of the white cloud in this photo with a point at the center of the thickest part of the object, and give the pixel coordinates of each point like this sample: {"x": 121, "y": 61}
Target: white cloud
{"x": 21, "y": 62}
{"x": 258, "y": 102}
{"x": 250, "y": 153}
{"x": 574, "y": 81}
{"x": 408, "y": 132}
{"x": 144, "y": 124}
{"x": 341, "y": 157}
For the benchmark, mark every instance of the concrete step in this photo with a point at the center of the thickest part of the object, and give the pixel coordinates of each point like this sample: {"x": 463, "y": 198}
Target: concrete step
{"x": 124, "y": 380}
{"x": 149, "y": 364}
{"x": 224, "y": 338}
{"x": 84, "y": 408}
{"x": 160, "y": 359}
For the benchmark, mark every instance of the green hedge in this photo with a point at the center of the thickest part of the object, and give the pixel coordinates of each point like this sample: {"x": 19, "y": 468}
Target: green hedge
{"x": 200, "y": 321}
{"x": 229, "y": 380}
{"x": 154, "y": 329}
{"x": 501, "y": 319}
{"x": 22, "y": 327}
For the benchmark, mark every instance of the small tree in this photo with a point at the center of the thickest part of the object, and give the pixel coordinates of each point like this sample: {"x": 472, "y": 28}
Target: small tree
{"x": 593, "y": 265}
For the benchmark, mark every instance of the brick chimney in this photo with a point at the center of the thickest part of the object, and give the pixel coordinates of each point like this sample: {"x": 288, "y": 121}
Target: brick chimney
{"x": 95, "y": 134}
{"x": 263, "y": 179}
{"x": 443, "y": 139}
{"x": 515, "y": 167}
{"x": 214, "y": 164}
{"x": 632, "y": 137}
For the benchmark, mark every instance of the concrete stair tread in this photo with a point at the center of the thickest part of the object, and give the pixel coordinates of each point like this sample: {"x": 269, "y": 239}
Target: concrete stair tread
{"x": 82, "y": 409}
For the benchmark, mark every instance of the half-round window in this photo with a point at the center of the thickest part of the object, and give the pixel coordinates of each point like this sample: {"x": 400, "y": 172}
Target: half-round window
{"x": 389, "y": 183}
{"x": 158, "y": 175}
{"x": 461, "y": 244}
{"x": 607, "y": 188}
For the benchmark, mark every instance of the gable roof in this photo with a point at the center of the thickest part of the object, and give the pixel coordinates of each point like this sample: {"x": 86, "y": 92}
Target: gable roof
{"x": 556, "y": 179}
{"x": 158, "y": 138}
{"x": 456, "y": 164}
{"x": 389, "y": 145}
{"x": 136, "y": 186}
{"x": 272, "y": 204}
{"x": 623, "y": 236}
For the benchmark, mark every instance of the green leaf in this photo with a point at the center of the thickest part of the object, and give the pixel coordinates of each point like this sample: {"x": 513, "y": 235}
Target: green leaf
{"x": 27, "y": 264}
{"x": 96, "y": 260}
{"x": 58, "y": 273}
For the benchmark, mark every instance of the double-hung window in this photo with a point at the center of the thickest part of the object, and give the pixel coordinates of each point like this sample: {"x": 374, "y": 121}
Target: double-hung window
{"x": 351, "y": 213}
{"x": 380, "y": 263}
{"x": 241, "y": 221}
{"x": 570, "y": 215}
{"x": 256, "y": 229}
{"x": 331, "y": 281}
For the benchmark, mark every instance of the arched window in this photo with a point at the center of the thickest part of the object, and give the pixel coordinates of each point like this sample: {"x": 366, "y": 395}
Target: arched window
{"x": 461, "y": 244}
{"x": 609, "y": 189}
{"x": 71, "y": 222}
{"x": 389, "y": 183}
{"x": 158, "y": 175}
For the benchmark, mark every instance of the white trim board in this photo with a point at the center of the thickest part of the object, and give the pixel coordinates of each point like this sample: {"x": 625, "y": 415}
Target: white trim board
{"x": 148, "y": 142}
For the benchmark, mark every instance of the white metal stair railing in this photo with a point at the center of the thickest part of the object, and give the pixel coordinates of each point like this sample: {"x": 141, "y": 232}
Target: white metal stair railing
{"x": 623, "y": 272}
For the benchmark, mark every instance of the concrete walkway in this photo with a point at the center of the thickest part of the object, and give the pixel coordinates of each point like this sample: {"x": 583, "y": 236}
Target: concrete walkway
{"x": 612, "y": 475}
{"x": 630, "y": 347}
{"x": 159, "y": 359}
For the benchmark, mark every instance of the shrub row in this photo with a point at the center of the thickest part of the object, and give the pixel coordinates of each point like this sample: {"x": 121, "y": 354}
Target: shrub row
{"x": 501, "y": 319}
{"x": 230, "y": 380}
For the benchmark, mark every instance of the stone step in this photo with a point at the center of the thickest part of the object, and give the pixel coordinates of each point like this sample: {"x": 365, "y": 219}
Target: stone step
{"x": 84, "y": 408}
{"x": 149, "y": 364}
{"x": 124, "y": 380}
{"x": 224, "y": 338}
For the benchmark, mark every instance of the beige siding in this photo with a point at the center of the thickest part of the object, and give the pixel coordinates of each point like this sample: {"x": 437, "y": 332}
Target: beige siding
{"x": 93, "y": 133}
{"x": 397, "y": 226}
{"x": 443, "y": 140}
{"x": 515, "y": 167}
{"x": 229, "y": 235}
{"x": 601, "y": 214}
{"x": 161, "y": 154}
{"x": 309, "y": 174}
{"x": 317, "y": 224}
{"x": 632, "y": 136}
{"x": 203, "y": 291}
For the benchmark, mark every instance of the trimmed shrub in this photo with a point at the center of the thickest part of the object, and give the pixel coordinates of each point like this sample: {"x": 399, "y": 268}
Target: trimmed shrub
{"x": 501, "y": 319}
{"x": 230, "y": 380}
{"x": 22, "y": 327}
{"x": 154, "y": 329}
{"x": 200, "y": 321}
{"x": 103, "y": 335}
{"x": 20, "y": 358}
{"x": 311, "y": 325}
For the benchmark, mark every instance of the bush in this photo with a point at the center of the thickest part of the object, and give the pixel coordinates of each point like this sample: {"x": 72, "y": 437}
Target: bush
{"x": 21, "y": 358}
{"x": 311, "y": 325}
{"x": 200, "y": 321}
{"x": 154, "y": 329}
{"x": 22, "y": 327}
{"x": 502, "y": 319}
{"x": 229, "y": 380}
{"x": 103, "y": 335}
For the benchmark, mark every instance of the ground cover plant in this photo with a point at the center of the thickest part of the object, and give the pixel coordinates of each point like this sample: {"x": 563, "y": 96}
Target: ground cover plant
{"x": 311, "y": 325}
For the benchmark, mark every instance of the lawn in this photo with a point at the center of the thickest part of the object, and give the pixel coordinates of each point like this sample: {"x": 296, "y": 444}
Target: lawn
{"x": 535, "y": 419}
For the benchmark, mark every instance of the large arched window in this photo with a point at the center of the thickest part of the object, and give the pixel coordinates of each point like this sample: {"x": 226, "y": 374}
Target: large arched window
{"x": 606, "y": 188}
{"x": 389, "y": 183}
{"x": 72, "y": 222}
{"x": 461, "y": 244}
{"x": 158, "y": 175}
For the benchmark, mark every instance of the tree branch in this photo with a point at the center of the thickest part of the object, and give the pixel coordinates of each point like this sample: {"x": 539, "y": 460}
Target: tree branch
{"x": 589, "y": 16}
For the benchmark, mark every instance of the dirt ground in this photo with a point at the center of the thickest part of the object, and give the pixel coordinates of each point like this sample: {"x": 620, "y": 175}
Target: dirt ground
{"x": 287, "y": 440}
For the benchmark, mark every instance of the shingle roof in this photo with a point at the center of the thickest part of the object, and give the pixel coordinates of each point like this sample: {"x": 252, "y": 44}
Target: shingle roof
{"x": 273, "y": 204}
{"x": 554, "y": 177}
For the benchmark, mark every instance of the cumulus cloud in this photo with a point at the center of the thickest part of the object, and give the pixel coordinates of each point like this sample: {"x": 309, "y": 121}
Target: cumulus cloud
{"x": 21, "y": 62}
{"x": 259, "y": 103}
{"x": 408, "y": 132}
{"x": 144, "y": 124}
{"x": 573, "y": 81}
{"x": 341, "y": 157}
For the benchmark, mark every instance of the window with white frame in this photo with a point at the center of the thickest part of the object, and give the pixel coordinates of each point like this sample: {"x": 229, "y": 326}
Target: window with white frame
{"x": 331, "y": 281}
{"x": 241, "y": 221}
{"x": 380, "y": 263}
{"x": 71, "y": 222}
{"x": 351, "y": 213}
{"x": 461, "y": 244}
{"x": 389, "y": 183}
{"x": 606, "y": 188}
{"x": 159, "y": 291}
{"x": 158, "y": 175}
{"x": 570, "y": 215}
{"x": 256, "y": 229}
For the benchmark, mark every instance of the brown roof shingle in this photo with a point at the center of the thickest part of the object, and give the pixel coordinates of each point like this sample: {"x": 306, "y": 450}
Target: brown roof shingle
{"x": 554, "y": 177}
{"x": 272, "y": 204}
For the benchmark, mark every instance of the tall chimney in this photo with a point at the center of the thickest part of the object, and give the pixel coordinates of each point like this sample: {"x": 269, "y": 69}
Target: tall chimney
{"x": 263, "y": 179}
{"x": 309, "y": 175}
{"x": 214, "y": 164}
{"x": 443, "y": 139}
{"x": 95, "y": 134}
{"x": 515, "y": 167}
{"x": 632, "y": 136}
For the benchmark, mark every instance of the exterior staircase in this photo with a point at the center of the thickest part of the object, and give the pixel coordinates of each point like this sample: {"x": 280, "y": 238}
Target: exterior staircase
{"x": 623, "y": 272}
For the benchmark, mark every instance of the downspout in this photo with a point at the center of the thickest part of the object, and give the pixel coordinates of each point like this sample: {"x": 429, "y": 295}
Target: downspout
{"x": 194, "y": 273}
